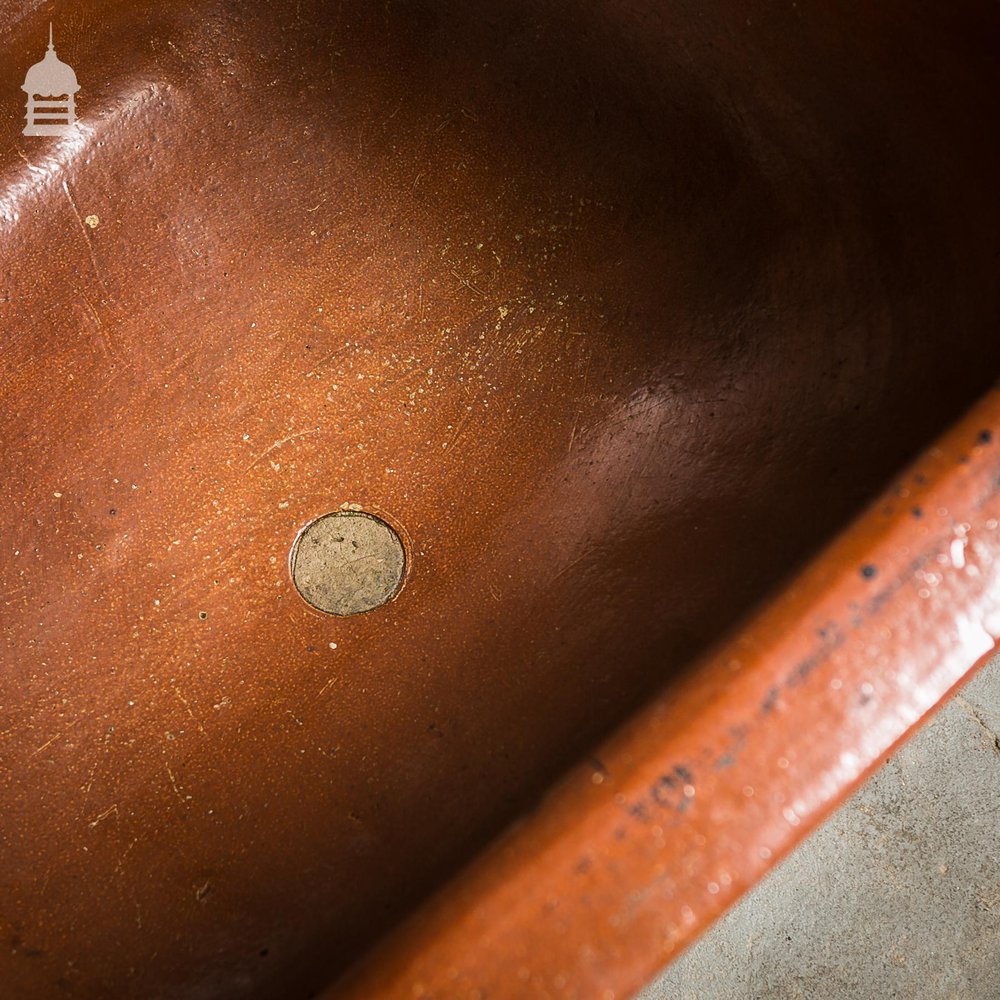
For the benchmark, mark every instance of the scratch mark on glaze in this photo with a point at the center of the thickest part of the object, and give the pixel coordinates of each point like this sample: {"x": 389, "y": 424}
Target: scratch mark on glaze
{"x": 313, "y": 372}
{"x": 467, "y": 283}
{"x": 105, "y": 336}
{"x": 186, "y": 704}
{"x": 90, "y": 783}
{"x": 86, "y": 237}
{"x": 119, "y": 868}
{"x": 104, "y": 815}
{"x": 173, "y": 784}
{"x": 46, "y": 745}
{"x": 460, "y": 429}
{"x": 177, "y": 52}
{"x": 280, "y": 444}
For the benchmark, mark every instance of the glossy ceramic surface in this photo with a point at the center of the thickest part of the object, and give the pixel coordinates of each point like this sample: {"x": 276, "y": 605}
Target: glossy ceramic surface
{"x": 615, "y": 312}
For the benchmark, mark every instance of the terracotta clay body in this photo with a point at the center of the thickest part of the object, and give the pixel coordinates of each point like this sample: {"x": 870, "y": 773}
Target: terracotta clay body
{"x": 617, "y": 312}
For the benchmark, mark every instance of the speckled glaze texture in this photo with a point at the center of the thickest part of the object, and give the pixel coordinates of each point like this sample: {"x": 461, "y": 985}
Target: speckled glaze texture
{"x": 616, "y": 313}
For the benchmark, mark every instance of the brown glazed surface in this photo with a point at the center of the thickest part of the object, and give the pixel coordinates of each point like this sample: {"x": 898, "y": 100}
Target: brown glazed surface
{"x": 616, "y": 311}
{"x": 663, "y": 826}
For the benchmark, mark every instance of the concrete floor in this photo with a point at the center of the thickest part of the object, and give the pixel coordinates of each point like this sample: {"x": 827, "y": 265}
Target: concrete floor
{"x": 896, "y": 896}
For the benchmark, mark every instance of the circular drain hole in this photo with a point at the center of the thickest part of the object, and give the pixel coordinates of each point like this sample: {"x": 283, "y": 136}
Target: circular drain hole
{"x": 347, "y": 562}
